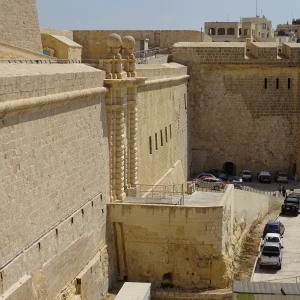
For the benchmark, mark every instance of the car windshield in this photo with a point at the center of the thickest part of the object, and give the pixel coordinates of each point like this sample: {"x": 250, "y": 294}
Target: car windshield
{"x": 272, "y": 226}
{"x": 282, "y": 174}
{"x": 246, "y": 173}
{"x": 273, "y": 251}
{"x": 273, "y": 239}
{"x": 291, "y": 201}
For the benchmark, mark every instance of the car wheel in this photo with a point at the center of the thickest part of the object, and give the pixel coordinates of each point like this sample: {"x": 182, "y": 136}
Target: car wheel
{"x": 279, "y": 267}
{"x": 261, "y": 266}
{"x": 216, "y": 188}
{"x": 282, "y": 212}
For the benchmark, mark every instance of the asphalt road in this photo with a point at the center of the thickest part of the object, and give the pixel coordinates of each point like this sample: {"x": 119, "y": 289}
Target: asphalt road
{"x": 290, "y": 269}
{"x": 271, "y": 187}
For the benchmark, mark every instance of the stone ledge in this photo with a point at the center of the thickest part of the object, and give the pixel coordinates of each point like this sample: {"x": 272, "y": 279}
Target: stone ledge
{"x": 15, "y": 105}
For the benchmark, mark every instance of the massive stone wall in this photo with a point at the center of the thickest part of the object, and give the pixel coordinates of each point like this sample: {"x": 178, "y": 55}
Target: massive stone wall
{"x": 177, "y": 245}
{"x": 54, "y": 176}
{"x": 20, "y": 25}
{"x": 242, "y": 109}
{"x": 162, "y": 125}
{"x": 94, "y": 41}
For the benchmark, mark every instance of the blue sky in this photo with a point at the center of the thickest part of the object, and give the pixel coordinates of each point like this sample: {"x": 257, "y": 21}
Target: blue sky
{"x": 157, "y": 14}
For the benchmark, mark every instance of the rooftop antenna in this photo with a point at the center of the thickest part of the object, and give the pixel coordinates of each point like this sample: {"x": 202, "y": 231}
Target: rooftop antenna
{"x": 256, "y": 7}
{"x": 227, "y": 18}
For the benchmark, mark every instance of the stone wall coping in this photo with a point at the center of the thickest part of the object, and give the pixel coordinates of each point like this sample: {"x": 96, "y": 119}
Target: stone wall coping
{"x": 165, "y": 81}
{"x": 21, "y": 104}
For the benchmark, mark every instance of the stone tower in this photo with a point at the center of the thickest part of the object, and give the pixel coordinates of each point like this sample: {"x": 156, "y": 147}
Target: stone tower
{"x": 19, "y": 24}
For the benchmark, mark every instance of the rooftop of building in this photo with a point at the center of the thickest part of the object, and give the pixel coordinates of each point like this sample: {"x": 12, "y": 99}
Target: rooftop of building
{"x": 66, "y": 41}
{"x": 210, "y": 44}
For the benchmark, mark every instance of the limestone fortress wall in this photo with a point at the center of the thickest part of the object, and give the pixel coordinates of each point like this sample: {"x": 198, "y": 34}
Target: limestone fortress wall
{"x": 73, "y": 140}
{"x": 94, "y": 41}
{"x": 53, "y": 144}
{"x": 20, "y": 25}
{"x": 244, "y": 105}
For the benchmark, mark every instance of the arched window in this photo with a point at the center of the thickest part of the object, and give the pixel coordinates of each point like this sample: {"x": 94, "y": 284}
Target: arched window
{"x": 230, "y": 31}
{"x": 221, "y": 31}
{"x": 212, "y": 31}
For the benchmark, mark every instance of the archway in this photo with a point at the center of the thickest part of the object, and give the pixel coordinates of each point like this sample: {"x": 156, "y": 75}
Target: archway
{"x": 230, "y": 168}
{"x": 212, "y": 31}
{"x": 230, "y": 31}
{"x": 221, "y": 31}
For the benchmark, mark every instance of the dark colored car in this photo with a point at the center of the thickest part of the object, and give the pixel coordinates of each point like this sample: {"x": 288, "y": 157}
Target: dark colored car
{"x": 222, "y": 174}
{"x": 281, "y": 177}
{"x": 290, "y": 205}
{"x": 264, "y": 177}
{"x": 274, "y": 227}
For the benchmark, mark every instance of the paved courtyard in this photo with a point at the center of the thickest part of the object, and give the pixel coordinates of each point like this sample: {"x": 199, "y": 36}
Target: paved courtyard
{"x": 291, "y": 255}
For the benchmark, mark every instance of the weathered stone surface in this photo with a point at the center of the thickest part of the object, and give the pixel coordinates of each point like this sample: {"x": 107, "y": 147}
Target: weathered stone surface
{"x": 20, "y": 24}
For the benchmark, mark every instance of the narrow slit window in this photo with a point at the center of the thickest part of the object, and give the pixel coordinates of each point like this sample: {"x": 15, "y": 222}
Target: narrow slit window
{"x": 266, "y": 83}
{"x": 156, "y": 144}
{"x": 166, "y": 133}
{"x": 170, "y": 131}
{"x": 161, "y": 138}
{"x": 150, "y": 144}
{"x": 289, "y": 83}
{"x": 277, "y": 83}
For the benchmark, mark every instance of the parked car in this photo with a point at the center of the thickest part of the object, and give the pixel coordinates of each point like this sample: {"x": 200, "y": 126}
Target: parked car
{"x": 291, "y": 205}
{"x": 212, "y": 183}
{"x": 204, "y": 174}
{"x": 246, "y": 175}
{"x": 281, "y": 177}
{"x": 272, "y": 238}
{"x": 222, "y": 174}
{"x": 274, "y": 227}
{"x": 237, "y": 181}
{"x": 264, "y": 177}
{"x": 270, "y": 255}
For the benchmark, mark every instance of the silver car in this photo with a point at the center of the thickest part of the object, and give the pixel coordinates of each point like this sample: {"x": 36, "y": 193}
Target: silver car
{"x": 270, "y": 255}
{"x": 246, "y": 175}
{"x": 211, "y": 183}
{"x": 281, "y": 177}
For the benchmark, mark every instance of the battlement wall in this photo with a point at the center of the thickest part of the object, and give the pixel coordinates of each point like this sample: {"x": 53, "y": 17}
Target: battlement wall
{"x": 20, "y": 25}
{"x": 237, "y": 53}
{"x": 94, "y": 41}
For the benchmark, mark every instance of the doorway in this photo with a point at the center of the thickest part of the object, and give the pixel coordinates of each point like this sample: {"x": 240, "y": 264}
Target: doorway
{"x": 230, "y": 168}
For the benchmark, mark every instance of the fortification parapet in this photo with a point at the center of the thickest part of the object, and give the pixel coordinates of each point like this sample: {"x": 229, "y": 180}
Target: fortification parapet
{"x": 237, "y": 53}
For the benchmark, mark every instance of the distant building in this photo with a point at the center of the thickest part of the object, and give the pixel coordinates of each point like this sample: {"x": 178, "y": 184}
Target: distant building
{"x": 257, "y": 29}
{"x": 292, "y": 30}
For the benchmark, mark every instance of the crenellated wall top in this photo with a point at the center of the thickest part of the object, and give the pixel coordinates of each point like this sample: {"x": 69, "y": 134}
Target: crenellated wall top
{"x": 237, "y": 53}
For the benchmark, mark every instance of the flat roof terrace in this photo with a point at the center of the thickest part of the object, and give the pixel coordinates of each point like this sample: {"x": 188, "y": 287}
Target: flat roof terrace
{"x": 198, "y": 199}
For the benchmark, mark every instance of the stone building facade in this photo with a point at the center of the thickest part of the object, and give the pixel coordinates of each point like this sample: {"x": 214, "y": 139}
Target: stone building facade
{"x": 259, "y": 29}
{"x": 243, "y": 105}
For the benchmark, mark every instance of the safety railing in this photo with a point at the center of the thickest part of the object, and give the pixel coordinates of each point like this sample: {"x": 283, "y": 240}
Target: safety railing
{"x": 142, "y": 57}
{"x": 41, "y": 61}
{"x": 158, "y": 194}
